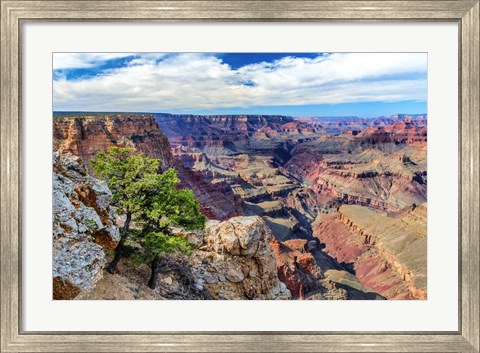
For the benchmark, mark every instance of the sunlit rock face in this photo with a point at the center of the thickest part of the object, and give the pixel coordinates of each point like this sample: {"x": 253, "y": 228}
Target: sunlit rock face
{"x": 85, "y": 135}
{"x": 234, "y": 261}
{"x": 388, "y": 252}
{"x": 311, "y": 274}
{"x": 84, "y": 226}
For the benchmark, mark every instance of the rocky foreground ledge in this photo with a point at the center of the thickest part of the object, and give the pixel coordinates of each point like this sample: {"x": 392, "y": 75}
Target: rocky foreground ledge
{"x": 233, "y": 259}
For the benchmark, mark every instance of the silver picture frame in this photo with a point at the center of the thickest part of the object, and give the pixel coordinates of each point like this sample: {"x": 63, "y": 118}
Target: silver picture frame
{"x": 15, "y": 13}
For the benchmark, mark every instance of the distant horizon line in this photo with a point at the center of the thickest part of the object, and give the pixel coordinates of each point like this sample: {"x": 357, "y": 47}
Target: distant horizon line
{"x": 234, "y": 114}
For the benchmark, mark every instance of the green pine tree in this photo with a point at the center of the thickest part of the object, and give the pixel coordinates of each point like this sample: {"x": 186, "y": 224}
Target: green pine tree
{"x": 153, "y": 199}
{"x": 124, "y": 170}
{"x": 164, "y": 206}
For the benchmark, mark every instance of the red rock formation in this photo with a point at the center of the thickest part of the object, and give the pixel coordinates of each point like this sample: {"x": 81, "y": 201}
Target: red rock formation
{"x": 86, "y": 135}
{"x": 400, "y": 132}
{"x": 310, "y": 274}
{"x": 376, "y": 265}
{"x": 217, "y": 201}
{"x": 296, "y": 267}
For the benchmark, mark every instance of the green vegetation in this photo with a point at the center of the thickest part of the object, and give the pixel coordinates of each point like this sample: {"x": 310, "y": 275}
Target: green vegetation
{"x": 157, "y": 244}
{"x": 153, "y": 200}
{"x": 124, "y": 171}
{"x": 163, "y": 206}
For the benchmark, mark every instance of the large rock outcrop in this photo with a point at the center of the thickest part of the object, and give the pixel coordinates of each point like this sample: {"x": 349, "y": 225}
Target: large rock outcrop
{"x": 234, "y": 261}
{"x": 84, "y": 225}
{"x": 309, "y": 273}
{"x": 296, "y": 267}
{"x": 86, "y": 134}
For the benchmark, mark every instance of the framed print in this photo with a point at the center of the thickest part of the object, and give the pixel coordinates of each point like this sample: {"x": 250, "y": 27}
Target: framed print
{"x": 240, "y": 176}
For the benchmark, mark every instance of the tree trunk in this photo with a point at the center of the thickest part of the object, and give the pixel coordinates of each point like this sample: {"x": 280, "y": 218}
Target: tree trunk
{"x": 152, "y": 283}
{"x": 112, "y": 267}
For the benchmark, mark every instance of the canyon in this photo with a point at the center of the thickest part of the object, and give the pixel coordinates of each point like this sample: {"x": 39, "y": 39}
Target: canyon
{"x": 300, "y": 208}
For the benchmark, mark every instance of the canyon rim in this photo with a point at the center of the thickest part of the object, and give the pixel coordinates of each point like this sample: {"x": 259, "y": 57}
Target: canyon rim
{"x": 239, "y": 176}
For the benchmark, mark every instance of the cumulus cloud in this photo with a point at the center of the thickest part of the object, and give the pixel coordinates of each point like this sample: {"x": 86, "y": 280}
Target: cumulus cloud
{"x": 159, "y": 82}
{"x": 83, "y": 60}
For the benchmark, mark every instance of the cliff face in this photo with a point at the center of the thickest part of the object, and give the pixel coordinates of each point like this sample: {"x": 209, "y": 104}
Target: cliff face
{"x": 230, "y": 134}
{"x": 217, "y": 200}
{"x": 197, "y": 125}
{"x": 85, "y": 135}
{"x": 388, "y": 253}
{"x": 311, "y": 274}
{"x": 296, "y": 267}
{"x": 84, "y": 226}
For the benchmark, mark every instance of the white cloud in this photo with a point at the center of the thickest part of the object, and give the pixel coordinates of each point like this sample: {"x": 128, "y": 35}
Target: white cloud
{"x": 198, "y": 81}
{"x": 83, "y": 60}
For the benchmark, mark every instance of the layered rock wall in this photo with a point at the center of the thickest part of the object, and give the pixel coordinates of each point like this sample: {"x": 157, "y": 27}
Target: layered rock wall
{"x": 86, "y": 135}
{"x": 388, "y": 254}
{"x": 400, "y": 132}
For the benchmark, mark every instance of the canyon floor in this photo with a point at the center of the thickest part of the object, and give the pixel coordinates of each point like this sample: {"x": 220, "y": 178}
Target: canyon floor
{"x": 339, "y": 204}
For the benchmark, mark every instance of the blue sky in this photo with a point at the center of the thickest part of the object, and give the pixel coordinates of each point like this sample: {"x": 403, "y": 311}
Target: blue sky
{"x": 298, "y": 84}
